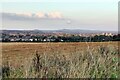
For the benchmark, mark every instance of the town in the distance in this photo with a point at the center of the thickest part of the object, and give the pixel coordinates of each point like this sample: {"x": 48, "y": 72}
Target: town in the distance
{"x": 63, "y": 35}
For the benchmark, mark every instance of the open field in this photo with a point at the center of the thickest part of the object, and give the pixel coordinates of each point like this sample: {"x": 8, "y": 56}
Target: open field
{"x": 63, "y": 60}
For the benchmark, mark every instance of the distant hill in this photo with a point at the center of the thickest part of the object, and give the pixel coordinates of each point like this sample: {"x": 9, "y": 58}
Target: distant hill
{"x": 69, "y": 31}
{"x": 22, "y": 31}
{"x": 79, "y": 31}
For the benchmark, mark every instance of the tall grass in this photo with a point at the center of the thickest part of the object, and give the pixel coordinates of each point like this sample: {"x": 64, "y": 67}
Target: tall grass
{"x": 100, "y": 62}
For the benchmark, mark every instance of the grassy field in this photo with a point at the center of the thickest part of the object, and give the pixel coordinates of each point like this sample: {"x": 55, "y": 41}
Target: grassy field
{"x": 60, "y": 60}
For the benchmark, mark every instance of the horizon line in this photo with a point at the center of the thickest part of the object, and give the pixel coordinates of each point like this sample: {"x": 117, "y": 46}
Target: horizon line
{"x": 62, "y": 29}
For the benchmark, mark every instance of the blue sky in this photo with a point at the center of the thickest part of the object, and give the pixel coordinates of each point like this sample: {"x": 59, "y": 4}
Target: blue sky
{"x": 64, "y": 14}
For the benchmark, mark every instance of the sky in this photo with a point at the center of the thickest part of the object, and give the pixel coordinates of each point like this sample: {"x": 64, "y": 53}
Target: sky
{"x": 60, "y": 14}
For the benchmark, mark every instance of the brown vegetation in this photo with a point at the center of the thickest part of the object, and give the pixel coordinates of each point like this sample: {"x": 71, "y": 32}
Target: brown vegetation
{"x": 61, "y": 60}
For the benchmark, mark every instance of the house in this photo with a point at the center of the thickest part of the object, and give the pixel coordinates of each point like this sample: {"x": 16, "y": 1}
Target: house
{"x": 31, "y": 40}
{"x": 61, "y": 40}
{"x": 35, "y": 39}
{"x": 44, "y": 40}
{"x": 12, "y": 40}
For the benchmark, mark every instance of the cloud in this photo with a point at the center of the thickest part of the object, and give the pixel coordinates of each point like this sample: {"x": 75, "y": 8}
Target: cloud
{"x": 24, "y": 14}
{"x": 40, "y": 15}
{"x": 32, "y": 16}
{"x": 55, "y": 15}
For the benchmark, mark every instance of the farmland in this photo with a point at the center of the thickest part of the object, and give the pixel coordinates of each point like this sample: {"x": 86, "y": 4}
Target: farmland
{"x": 60, "y": 60}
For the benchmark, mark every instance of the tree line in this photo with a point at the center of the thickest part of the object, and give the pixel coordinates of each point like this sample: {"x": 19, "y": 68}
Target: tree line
{"x": 50, "y": 38}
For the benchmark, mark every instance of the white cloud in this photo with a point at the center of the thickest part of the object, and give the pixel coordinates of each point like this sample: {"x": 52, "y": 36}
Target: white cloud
{"x": 40, "y": 15}
{"x": 55, "y": 15}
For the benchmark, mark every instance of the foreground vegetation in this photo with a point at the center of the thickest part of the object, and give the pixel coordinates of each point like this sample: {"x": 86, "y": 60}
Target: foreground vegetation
{"x": 93, "y": 60}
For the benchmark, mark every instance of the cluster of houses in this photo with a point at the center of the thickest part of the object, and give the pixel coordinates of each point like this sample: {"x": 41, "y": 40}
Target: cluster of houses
{"x": 45, "y": 37}
{"x": 34, "y": 40}
{"x": 28, "y": 39}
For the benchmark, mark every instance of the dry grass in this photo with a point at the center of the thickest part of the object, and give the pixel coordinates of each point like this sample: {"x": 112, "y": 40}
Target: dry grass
{"x": 60, "y": 60}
